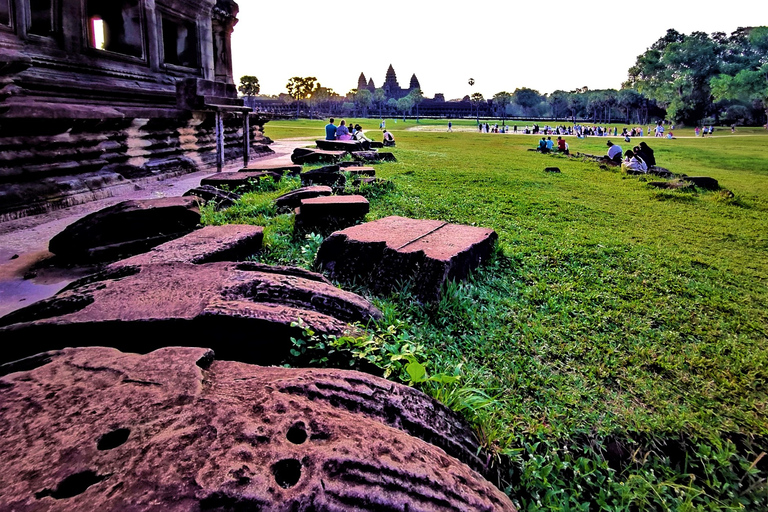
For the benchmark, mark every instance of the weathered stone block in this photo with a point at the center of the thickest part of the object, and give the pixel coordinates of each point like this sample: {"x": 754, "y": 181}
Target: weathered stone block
{"x": 303, "y": 156}
{"x": 339, "y": 145}
{"x": 290, "y": 170}
{"x": 238, "y": 180}
{"x": 179, "y": 429}
{"x": 222, "y": 199}
{"x": 373, "y": 156}
{"x": 704, "y": 182}
{"x": 127, "y": 228}
{"x": 293, "y": 198}
{"x": 243, "y": 310}
{"x": 393, "y": 250}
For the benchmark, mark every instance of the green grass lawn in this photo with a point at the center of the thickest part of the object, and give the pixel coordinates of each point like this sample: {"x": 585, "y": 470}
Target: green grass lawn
{"x": 613, "y": 312}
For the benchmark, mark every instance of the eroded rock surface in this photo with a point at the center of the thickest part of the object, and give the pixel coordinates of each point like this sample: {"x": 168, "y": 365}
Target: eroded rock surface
{"x": 303, "y": 156}
{"x": 127, "y": 228}
{"x": 179, "y": 430}
{"x": 393, "y": 250}
{"x": 231, "y": 242}
{"x": 222, "y": 199}
{"x": 293, "y": 198}
{"x": 339, "y": 145}
{"x": 241, "y": 180}
{"x": 242, "y": 310}
{"x": 331, "y": 211}
{"x": 290, "y": 170}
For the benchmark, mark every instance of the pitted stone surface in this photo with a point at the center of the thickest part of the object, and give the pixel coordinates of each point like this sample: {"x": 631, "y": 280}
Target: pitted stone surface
{"x": 393, "y": 250}
{"x": 180, "y": 430}
{"x": 222, "y": 199}
{"x": 234, "y": 180}
{"x": 360, "y": 171}
{"x": 243, "y": 310}
{"x": 333, "y": 212}
{"x": 127, "y": 228}
{"x": 231, "y": 242}
{"x": 293, "y": 198}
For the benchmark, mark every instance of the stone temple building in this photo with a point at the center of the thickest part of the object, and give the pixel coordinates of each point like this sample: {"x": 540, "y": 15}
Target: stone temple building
{"x": 391, "y": 86}
{"x": 97, "y": 93}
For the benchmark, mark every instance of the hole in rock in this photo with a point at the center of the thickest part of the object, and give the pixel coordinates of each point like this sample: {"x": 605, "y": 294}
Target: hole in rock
{"x": 287, "y": 472}
{"x": 113, "y": 439}
{"x": 72, "y": 485}
{"x": 297, "y": 434}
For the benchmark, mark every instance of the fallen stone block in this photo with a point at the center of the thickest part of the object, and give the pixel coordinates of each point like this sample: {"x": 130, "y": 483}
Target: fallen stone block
{"x": 672, "y": 185}
{"x": 231, "y": 242}
{"x": 552, "y": 169}
{"x": 241, "y": 181}
{"x": 329, "y": 176}
{"x": 293, "y": 198}
{"x": 387, "y": 252}
{"x": 303, "y": 156}
{"x": 221, "y": 199}
{"x": 182, "y": 429}
{"x": 704, "y": 182}
{"x": 126, "y": 229}
{"x": 339, "y": 145}
{"x": 243, "y": 310}
{"x": 373, "y": 156}
{"x": 378, "y": 145}
{"x": 282, "y": 169}
{"x": 359, "y": 171}
{"x": 331, "y": 211}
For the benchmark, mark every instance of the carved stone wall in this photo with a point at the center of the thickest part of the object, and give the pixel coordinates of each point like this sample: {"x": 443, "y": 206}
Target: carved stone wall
{"x": 97, "y": 92}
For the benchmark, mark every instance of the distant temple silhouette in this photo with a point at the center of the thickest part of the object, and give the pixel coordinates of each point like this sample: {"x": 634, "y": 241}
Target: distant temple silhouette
{"x": 391, "y": 86}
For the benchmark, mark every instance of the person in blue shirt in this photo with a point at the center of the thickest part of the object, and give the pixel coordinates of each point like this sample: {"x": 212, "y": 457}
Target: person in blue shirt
{"x": 550, "y": 144}
{"x": 330, "y": 131}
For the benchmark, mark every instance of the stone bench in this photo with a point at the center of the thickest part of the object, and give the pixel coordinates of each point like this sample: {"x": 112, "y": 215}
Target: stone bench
{"x": 387, "y": 252}
{"x": 339, "y": 145}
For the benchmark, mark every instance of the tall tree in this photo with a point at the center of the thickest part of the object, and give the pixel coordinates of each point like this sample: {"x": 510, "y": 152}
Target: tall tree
{"x": 477, "y": 99}
{"x": 249, "y": 85}
{"x": 502, "y": 99}
{"x": 527, "y": 98}
{"x": 558, "y": 101}
{"x": 300, "y": 88}
{"x": 380, "y": 99}
{"x": 417, "y": 97}
{"x": 363, "y": 98}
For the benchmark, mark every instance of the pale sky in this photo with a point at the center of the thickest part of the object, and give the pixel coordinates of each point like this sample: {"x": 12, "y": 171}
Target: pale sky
{"x": 503, "y": 45}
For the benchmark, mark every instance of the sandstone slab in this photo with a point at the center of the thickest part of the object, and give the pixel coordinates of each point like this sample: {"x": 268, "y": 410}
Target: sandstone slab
{"x": 373, "y": 156}
{"x": 329, "y": 176}
{"x": 242, "y": 310}
{"x": 179, "y": 430}
{"x": 303, "y": 156}
{"x": 704, "y": 182}
{"x": 222, "y": 199}
{"x": 339, "y": 145}
{"x": 238, "y": 180}
{"x": 230, "y": 242}
{"x": 293, "y": 198}
{"x": 331, "y": 211}
{"x": 290, "y": 170}
{"x": 127, "y": 228}
{"x": 359, "y": 170}
{"x": 387, "y": 252}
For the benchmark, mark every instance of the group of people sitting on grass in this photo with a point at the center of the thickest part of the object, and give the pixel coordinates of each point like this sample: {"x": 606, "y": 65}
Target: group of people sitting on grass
{"x": 639, "y": 159}
{"x": 547, "y": 145}
{"x": 343, "y": 132}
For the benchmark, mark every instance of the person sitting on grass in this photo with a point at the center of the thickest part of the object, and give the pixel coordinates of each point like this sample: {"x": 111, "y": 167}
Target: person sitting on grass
{"x": 633, "y": 164}
{"x": 646, "y": 153}
{"x": 360, "y": 137}
{"x": 543, "y": 146}
{"x": 550, "y": 145}
{"x": 614, "y": 152}
{"x": 389, "y": 139}
{"x": 562, "y": 146}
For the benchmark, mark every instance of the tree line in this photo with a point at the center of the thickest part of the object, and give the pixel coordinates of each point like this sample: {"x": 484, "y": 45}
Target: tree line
{"x": 687, "y": 79}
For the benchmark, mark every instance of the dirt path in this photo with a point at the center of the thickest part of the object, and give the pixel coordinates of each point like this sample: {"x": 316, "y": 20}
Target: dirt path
{"x": 24, "y": 275}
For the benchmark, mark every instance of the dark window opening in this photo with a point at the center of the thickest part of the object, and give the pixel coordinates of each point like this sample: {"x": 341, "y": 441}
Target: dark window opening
{"x": 115, "y": 26}
{"x": 179, "y": 42}
{"x": 5, "y": 12}
{"x": 41, "y": 17}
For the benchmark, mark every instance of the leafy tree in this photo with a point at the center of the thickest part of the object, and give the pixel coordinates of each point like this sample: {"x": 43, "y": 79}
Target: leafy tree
{"x": 417, "y": 97}
{"x": 630, "y": 100}
{"x": 502, "y": 99}
{"x": 249, "y": 85}
{"x": 380, "y": 99}
{"x": 558, "y": 101}
{"x": 404, "y": 104}
{"x": 363, "y": 98}
{"x": 527, "y": 98}
{"x": 477, "y": 99}
{"x": 750, "y": 83}
{"x": 300, "y": 88}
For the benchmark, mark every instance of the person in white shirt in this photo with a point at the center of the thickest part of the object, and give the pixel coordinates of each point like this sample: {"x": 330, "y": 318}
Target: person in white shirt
{"x": 614, "y": 152}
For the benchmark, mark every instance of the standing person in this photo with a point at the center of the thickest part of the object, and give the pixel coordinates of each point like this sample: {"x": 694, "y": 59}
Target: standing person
{"x": 330, "y": 131}
{"x": 696, "y": 131}
{"x": 450, "y": 126}
{"x": 733, "y": 128}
